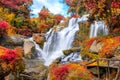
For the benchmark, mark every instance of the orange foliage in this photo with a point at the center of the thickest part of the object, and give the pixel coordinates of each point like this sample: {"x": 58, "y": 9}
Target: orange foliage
{"x": 19, "y": 52}
{"x": 43, "y": 13}
{"x": 2, "y": 50}
{"x": 116, "y": 29}
{"x": 89, "y": 42}
{"x": 70, "y": 71}
{"x": 11, "y": 60}
{"x": 42, "y": 27}
{"x": 79, "y": 72}
{"x": 60, "y": 72}
{"x": 109, "y": 46}
{"x": 9, "y": 55}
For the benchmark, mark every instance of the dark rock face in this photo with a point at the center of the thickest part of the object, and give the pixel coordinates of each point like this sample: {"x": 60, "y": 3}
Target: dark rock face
{"x": 29, "y": 49}
{"x": 11, "y": 41}
{"x": 35, "y": 70}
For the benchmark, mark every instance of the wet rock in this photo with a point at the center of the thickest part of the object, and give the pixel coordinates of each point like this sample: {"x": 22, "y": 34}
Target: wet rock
{"x": 69, "y": 51}
{"x": 29, "y": 49}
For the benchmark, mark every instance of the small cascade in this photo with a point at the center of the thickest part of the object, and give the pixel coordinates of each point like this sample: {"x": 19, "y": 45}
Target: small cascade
{"x": 98, "y": 28}
{"x": 37, "y": 49}
{"x": 73, "y": 57}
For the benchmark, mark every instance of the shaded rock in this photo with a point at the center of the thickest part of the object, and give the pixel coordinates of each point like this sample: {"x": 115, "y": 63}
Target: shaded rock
{"x": 10, "y": 77}
{"x": 12, "y": 41}
{"x": 69, "y": 51}
{"x": 29, "y": 49}
{"x": 94, "y": 70}
{"x": 4, "y": 73}
{"x": 115, "y": 61}
{"x": 35, "y": 70}
{"x": 17, "y": 39}
{"x": 103, "y": 71}
{"x": 95, "y": 47}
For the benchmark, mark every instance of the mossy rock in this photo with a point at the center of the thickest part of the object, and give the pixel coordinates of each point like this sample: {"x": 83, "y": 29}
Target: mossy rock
{"x": 69, "y": 51}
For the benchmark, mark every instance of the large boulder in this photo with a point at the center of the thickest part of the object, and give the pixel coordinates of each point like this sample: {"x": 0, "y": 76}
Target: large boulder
{"x": 29, "y": 49}
{"x": 71, "y": 50}
{"x": 35, "y": 70}
{"x": 12, "y": 41}
{"x": 96, "y": 46}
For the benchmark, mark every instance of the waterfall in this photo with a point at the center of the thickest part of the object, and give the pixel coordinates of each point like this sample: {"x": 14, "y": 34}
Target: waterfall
{"x": 56, "y": 41}
{"x": 98, "y": 28}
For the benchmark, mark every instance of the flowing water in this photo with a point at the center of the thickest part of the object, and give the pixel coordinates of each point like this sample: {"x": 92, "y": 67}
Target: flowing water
{"x": 98, "y": 28}
{"x": 56, "y": 41}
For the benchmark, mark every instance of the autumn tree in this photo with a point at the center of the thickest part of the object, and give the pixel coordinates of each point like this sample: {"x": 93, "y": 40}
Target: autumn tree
{"x": 21, "y": 9}
{"x": 47, "y": 19}
{"x": 105, "y": 10}
{"x": 58, "y": 18}
{"x": 43, "y": 14}
{"x": 6, "y": 16}
{"x": 75, "y": 7}
{"x": 17, "y": 6}
{"x": 43, "y": 17}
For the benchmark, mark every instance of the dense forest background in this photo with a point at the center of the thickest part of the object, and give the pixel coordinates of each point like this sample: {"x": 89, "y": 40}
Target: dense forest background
{"x": 99, "y": 54}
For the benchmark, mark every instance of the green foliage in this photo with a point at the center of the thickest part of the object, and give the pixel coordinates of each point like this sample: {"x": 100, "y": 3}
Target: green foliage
{"x": 82, "y": 34}
{"x": 18, "y": 22}
{"x": 86, "y": 54}
{"x": 6, "y": 15}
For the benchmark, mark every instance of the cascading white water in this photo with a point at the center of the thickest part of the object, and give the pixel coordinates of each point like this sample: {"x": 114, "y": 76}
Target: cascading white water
{"x": 58, "y": 41}
{"x": 61, "y": 40}
{"x": 98, "y": 28}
